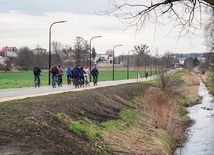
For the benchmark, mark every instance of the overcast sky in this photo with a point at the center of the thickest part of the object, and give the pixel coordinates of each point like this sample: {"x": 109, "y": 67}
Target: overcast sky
{"x": 27, "y": 22}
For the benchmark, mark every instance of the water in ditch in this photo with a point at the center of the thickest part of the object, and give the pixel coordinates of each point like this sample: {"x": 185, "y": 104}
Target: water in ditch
{"x": 201, "y": 134}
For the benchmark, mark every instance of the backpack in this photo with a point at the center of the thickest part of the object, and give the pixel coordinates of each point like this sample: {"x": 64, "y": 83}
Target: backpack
{"x": 36, "y": 71}
{"x": 54, "y": 70}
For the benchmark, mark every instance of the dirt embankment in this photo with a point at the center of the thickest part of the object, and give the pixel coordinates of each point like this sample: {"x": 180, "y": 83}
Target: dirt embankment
{"x": 123, "y": 119}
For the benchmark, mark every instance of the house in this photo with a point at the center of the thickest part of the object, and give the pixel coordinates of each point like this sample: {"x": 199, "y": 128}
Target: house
{"x": 1, "y": 60}
{"x": 8, "y": 52}
{"x": 39, "y": 50}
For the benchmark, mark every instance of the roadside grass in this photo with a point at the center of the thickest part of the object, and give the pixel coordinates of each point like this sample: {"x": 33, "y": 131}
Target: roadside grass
{"x": 26, "y": 79}
{"x": 183, "y": 104}
{"x": 208, "y": 79}
{"x": 152, "y": 82}
{"x": 178, "y": 74}
{"x": 129, "y": 123}
{"x": 128, "y": 119}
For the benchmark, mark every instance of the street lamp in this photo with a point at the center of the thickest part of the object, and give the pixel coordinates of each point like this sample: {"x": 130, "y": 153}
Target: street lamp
{"x": 113, "y": 60}
{"x": 128, "y": 64}
{"x": 49, "y": 66}
{"x": 90, "y": 53}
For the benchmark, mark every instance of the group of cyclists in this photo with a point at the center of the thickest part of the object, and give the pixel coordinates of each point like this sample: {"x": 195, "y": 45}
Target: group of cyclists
{"x": 78, "y": 76}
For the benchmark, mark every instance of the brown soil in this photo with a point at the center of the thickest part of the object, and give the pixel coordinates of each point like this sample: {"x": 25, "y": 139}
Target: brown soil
{"x": 22, "y": 132}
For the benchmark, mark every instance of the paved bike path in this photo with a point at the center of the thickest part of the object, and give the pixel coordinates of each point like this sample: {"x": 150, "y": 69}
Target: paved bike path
{"x": 20, "y": 93}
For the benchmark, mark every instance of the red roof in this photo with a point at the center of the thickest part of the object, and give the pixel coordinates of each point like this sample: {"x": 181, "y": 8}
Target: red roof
{"x": 8, "y": 49}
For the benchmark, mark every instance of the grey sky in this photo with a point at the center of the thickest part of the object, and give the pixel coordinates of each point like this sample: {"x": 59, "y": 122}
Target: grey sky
{"x": 39, "y": 7}
{"x": 26, "y": 23}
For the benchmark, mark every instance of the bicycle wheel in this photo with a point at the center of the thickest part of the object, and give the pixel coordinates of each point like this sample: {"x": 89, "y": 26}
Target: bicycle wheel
{"x": 76, "y": 82}
{"x": 54, "y": 82}
{"x": 36, "y": 82}
{"x": 69, "y": 81}
{"x": 95, "y": 80}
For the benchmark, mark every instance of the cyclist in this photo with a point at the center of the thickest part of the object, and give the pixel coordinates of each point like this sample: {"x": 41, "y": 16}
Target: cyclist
{"x": 146, "y": 75}
{"x": 36, "y": 72}
{"x": 86, "y": 76}
{"x": 95, "y": 73}
{"x": 81, "y": 76}
{"x": 54, "y": 72}
{"x": 76, "y": 73}
{"x": 60, "y": 74}
{"x": 69, "y": 75}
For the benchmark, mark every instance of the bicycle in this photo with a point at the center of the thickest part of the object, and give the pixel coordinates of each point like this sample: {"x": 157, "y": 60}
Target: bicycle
{"x": 36, "y": 82}
{"x": 86, "y": 81}
{"x": 76, "y": 82}
{"x": 81, "y": 84}
{"x": 69, "y": 80}
{"x": 59, "y": 80}
{"x": 95, "y": 80}
{"x": 54, "y": 82}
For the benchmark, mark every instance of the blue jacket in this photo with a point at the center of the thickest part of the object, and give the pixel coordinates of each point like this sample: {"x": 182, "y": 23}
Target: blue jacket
{"x": 69, "y": 71}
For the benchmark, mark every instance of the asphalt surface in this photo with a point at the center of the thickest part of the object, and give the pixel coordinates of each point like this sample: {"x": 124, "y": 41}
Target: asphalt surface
{"x": 20, "y": 93}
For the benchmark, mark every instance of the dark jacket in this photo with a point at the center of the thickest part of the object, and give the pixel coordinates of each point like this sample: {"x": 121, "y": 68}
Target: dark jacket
{"x": 76, "y": 71}
{"x": 94, "y": 72}
{"x": 82, "y": 72}
{"x": 36, "y": 71}
{"x": 54, "y": 70}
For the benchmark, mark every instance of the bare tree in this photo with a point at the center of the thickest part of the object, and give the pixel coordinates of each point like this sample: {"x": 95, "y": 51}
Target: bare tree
{"x": 142, "y": 51}
{"x": 189, "y": 63}
{"x": 26, "y": 58}
{"x": 209, "y": 33}
{"x": 81, "y": 50}
{"x": 57, "y": 55}
{"x": 181, "y": 13}
{"x": 93, "y": 53}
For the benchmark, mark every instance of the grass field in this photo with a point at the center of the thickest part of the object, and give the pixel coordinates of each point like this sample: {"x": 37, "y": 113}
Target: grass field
{"x": 26, "y": 79}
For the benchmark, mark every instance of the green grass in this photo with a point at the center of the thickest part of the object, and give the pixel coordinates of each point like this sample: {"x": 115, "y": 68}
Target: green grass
{"x": 168, "y": 139}
{"x": 26, "y": 79}
{"x": 178, "y": 74}
{"x": 45, "y": 124}
{"x": 128, "y": 117}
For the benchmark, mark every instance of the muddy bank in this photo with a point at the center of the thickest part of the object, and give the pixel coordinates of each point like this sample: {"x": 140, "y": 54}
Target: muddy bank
{"x": 124, "y": 119}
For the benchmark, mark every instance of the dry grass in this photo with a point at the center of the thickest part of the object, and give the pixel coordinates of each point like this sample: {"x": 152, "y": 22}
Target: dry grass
{"x": 191, "y": 79}
{"x": 191, "y": 91}
{"x": 158, "y": 131}
{"x": 208, "y": 79}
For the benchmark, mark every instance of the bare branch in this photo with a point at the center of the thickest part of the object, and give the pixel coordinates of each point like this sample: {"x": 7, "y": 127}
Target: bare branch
{"x": 182, "y": 11}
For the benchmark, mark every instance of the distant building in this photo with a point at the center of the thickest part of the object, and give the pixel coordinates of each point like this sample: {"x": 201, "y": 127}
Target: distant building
{"x": 1, "y": 60}
{"x": 39, "y": 50}
{"x": 8, "y": 52}
{"x": 181, "y": 60}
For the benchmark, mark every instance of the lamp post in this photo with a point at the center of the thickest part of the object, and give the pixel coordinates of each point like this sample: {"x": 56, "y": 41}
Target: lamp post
{"x": 90, "y": 53}
{"x": 113, "y": 60}
{"x": 49, "y": 66}
{"x": 128, "y": 64}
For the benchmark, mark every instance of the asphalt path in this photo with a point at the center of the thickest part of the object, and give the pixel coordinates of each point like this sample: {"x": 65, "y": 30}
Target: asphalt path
{"x": 20, "y": 93}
